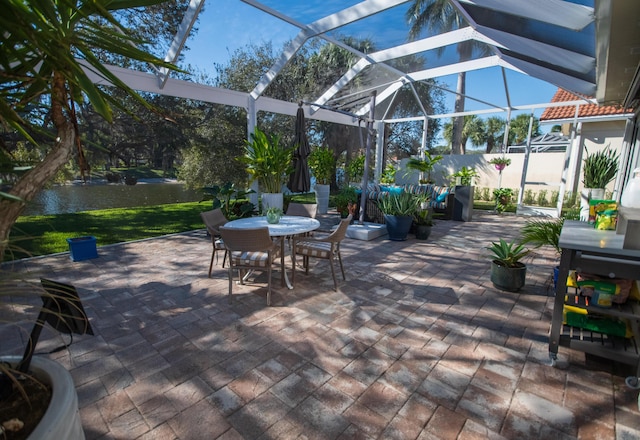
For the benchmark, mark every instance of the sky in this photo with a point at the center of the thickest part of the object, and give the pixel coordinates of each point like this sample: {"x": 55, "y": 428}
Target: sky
{"x": 227, "y": 25}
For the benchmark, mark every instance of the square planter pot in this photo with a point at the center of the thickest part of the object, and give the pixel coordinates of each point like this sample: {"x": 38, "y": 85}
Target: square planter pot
{"x": 82, "y": 248}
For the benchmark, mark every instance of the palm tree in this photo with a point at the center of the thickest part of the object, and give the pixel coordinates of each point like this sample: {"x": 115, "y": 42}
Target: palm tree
{"x": 494, "y": 131}
{"x": 440, "y": 16}
{"x": 46, "y": 46}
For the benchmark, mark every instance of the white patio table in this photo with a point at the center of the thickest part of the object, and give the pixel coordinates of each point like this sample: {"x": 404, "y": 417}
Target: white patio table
{"x": 287, "y": 226}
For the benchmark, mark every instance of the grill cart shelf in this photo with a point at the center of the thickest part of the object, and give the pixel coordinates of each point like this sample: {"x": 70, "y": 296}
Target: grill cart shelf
{"x": 585, "y": 249}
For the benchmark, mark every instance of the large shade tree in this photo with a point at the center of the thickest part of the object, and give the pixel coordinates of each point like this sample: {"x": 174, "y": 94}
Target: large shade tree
{"x": 46, "y": 46}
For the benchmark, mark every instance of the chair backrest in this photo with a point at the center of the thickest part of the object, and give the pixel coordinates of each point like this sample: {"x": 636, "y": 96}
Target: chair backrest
{"x": 247, "y": 240}
{"x": 341, "y": 231}
{"x": 303, "y": 209}
{"x": 213, "y": 220}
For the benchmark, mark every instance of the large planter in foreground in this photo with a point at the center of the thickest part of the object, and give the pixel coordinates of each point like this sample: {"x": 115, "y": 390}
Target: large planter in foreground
{"x": 62, "y": 419}
{"x": 398, "y": 226}
{"x": 506, "y": 278}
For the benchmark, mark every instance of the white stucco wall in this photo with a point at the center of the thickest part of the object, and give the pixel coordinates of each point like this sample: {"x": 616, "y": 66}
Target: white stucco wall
{"x": 545, "y": 168}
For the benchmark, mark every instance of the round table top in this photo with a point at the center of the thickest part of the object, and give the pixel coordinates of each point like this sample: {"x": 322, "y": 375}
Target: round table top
{"x": 288, "y": 225}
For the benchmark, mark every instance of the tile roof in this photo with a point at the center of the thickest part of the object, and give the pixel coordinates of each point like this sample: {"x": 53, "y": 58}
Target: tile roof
{"x": 585, "y": 110}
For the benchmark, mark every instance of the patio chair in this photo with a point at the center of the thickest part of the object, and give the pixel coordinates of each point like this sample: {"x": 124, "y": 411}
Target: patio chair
{"x": 250, "y": 249}
{"x": 326, "y": 247}
{"x": 303, "y": 209}
{"x": 213, "y": 220}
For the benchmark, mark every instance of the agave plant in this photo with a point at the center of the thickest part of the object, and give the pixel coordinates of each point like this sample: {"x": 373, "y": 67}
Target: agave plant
{"x": 508, "y": 254}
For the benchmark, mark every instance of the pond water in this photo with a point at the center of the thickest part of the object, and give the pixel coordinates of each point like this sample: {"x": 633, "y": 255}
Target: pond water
{"x": 77, "y": 198}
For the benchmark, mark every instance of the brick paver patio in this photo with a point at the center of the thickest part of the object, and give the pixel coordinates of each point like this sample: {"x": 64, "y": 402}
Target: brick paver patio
{"x": 417, "y": 343}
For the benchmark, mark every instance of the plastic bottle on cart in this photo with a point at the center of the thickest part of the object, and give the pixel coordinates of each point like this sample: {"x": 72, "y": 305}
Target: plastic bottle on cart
{"x": 631, "y": 193}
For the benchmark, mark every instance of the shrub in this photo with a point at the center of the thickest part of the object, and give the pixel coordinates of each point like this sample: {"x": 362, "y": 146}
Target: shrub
{"x": 528, "y": 198}
{"x": 542, "y": 197}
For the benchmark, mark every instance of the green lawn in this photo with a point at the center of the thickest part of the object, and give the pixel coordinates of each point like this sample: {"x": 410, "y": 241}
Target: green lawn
{"x": 41, "y": 235}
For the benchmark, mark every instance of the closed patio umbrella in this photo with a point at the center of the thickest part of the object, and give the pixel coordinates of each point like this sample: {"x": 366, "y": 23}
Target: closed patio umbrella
{"x": 299, "y": 181}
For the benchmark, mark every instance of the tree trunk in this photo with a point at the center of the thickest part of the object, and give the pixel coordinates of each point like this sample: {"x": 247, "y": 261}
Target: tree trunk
{"x": 35, "y": 179}
{"x": 458, "y": 122}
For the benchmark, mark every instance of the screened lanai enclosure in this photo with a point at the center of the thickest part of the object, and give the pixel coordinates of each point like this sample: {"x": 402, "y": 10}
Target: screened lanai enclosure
{"x": 590, "y": 48}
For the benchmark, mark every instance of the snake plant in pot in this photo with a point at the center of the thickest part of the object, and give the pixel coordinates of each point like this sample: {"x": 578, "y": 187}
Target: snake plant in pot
{"x": 507, "y": 271}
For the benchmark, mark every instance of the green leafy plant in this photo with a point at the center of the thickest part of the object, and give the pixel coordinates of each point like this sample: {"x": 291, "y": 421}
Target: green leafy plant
{"x": 423, "y": 217}
{"x": 355, "y": 169}
{"x": 500, "y": 161}
{"x": 466, "y": 175}
{"x": 404, "y": 203}
{"x": 600, "y": 168}
{"x": 424, "y": 165}
{"x": 542, "y": 197}
{"x": 229, "y": 199}
{"x": 267, "y": 160}
{"x": 502, "y": 197}
{"x": 507, "y": 254}
{"x": 542, "y": 232}
{"x": 528, "y": 198}
{"x": 389, "y": 175}
{"x": 347, "y": 195}
{"x": 322, "y": 164}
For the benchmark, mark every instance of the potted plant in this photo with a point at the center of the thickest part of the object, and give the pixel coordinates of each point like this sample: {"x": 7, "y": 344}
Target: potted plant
{"x": 389, "y": 175}
{"x": 507, "y": 271}
{"x": 423, "y": 221}
{"x": 500, "y": 163}
{"x": 37, "y": 395}
{"x": 355, "y": 169}
{"x": 502, "y": 197}
{"x": 273, "y": 215}
{"x": 268, "y": 162}
{"x": 540, "y": 232}
{"x": 462, "y": 180}
{"x": 424, "y": 166}
{"x": 322, "y": 164}
{"x": 464, "y": 176}
{"x": 598, "y": 170}
{"x": 399, "y": 211}
{"x": 348, "y": 195}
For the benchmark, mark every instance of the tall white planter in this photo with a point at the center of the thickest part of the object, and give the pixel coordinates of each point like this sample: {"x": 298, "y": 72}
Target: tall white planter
{"x": 62, "y": 418}
{"x": 322, "y": 198}
{"x": 272, "y": 200}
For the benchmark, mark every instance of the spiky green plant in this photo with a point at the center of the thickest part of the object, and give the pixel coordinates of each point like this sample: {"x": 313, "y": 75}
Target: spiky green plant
{"x": 542, "y": 232}
{"x": 404, "y": 203}
{"x": 600, "y": 168}
{"x": 507, "y": 254}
